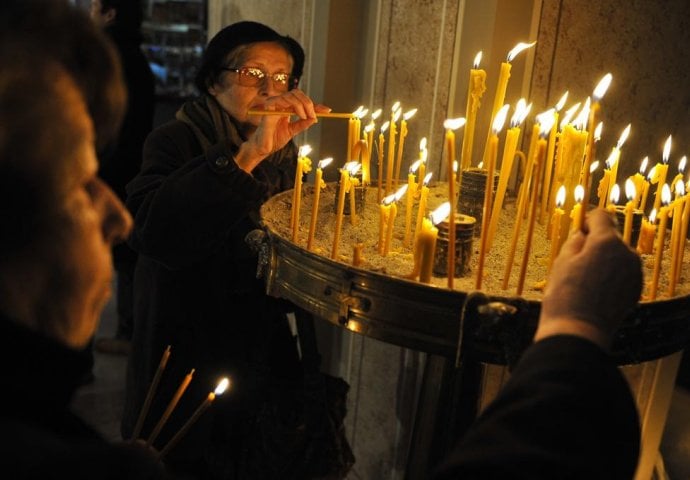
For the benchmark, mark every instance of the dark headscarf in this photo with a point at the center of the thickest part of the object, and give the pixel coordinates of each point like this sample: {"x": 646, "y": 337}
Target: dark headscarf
{"x": 238, "y": 34}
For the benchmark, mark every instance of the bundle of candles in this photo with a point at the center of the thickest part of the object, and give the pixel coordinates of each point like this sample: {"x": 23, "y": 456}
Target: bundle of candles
{"x": 222, "y": 386}
{"x": 552, "y": 182}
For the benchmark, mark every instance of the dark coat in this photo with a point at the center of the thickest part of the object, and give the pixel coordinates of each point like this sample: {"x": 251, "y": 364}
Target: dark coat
{"x": 43, "y": 438}
{"x": 196, "y": 290}
{"x": 565, "y": 413}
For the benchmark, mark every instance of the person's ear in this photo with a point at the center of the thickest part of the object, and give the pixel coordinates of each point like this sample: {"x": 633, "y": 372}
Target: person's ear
{"x": 109, "y": 16}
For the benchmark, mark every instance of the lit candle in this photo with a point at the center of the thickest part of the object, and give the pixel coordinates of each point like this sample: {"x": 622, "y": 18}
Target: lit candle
{"x": 384, "y": 211}
{"x": 353, "y": 168}
{"x": 613, "y": 198}
{"x": 616, "y": 154}
{"x": 597, "y": 95}
{"x": 171, "y": 406}
{"x": 392, "y": 213}
{"x": 684, "y": 229}
{"x": 645, "y": 191}
{"x": 382, "y": 141}
{"x": 401, "y": 142}
{"x": 488, "y": 191}
{"x": 344, "y": 186}
{"x": 501, "y": 88}
{"x": 450, "y": 125}
{"x": 421, "y": 208}
{"x": 303, "y": 167}
{"x": 411, "y": 192}
{"x": 576, "y": 213}
{"x": 151, "y": 393}
{"x": 676, "y": 229}
{"x": 629, "y": 209}
{"x": 392, "y": 132}
{"x": 366, "y": 143}
{"x": 605, "y": 183}
{"x": 645, "y": 243}
{"x": 539, "y": 160}
{"x": 681, "y": 169}
{"x": 423, "y": 155}
{"x": 559, "y": 167}
{"x": 475, "y": 90}
{"x": 426, "y": 247}
{"x": 357, "y": 254}
{"x": 665, "y": 200}
{"x": 220, "y": 389}
{"x": 660, "y": 172}
{"x": 319, "y": 184}
{"x": 509, "y": 148}
{"x": 556, "y": 225}
{"x": 639, "y": 180}
{"x": 550, "y": 158}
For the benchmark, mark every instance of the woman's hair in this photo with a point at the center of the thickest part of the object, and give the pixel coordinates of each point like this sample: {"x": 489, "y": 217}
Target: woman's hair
{"x": 234, "y": 37}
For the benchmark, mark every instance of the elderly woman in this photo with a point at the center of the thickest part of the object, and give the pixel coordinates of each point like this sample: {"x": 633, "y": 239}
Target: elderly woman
{"x": 204, "y": 177}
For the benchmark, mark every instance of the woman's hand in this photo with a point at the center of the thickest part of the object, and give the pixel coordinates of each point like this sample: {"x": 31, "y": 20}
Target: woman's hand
{"x": 275, "y": 131}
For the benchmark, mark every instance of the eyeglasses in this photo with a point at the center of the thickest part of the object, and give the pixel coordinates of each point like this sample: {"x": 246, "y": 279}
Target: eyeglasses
{"x": 253, "y": 77}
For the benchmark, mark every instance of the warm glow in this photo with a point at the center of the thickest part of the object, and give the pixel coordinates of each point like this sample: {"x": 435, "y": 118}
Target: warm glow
{"x": 360, "y": 112}
{"x": 561, "y": 102}
{"x": 376, "y": 114}
{"x": 440, "y": 214}
{"x": 630, "y": 190}
{"x": 611, "y": 161}
{"x": 388, "y": 200}
{"x": 304, "y": 150}
{"x": 546, "y": 120}
{"x": 680, "y": 188}
{"x": 581, "y": 120}
{"x": 615, "y": 194}
{"x": 602, "y": 86}
{"x": 325, "y": 162}
{"x": 427, "y": 178}
{"x": 643, "y": 165}
{"x": 400, "y": 193}
{"x": 370, "y": 127}
{"x": 409, "y": 114}
{"x": 560, "y": 197}
{"x": 519, "y": 48}
{"x": 222, "y": 386}
{"x": 395, "y": 107}
{"x": 477, "y": 60}
{"x": 665, "y": 194}
{"x": 570, "y": 113}
{"x": 597, "y": 131}
{"x": 681, "y": 164}
{"x": 455, "y": 165}
{"x": 594, "y": 166}
{"x": 651, "y": 174}
{"x": 579, "y": 194}
{"x": 667, "y": 150}
{"x": 521, "y": 112}
{"x": 623, "y": 137}
{"x": 385, "y": 126}
{"x": 397, "y": 114}
{"x": 352, "y": 168}
{"x": 415, "y": 166}
{"x": 500, "y": 119}
{"x": 652, "y": 215}
{"x": 454, "y": 123}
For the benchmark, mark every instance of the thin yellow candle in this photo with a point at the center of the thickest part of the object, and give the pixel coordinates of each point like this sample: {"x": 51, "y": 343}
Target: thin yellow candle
{"x": 639, "y": 180}
{"x": 350, "y": 136}
{"x": 590, "y": 150}
{"x": 303, "y": 167}
{"x": 550, "y": 158}
{"x": 319, "y": 184}
{"x": 352, "y": 184}
{"x": 421, "y": 208}
{"x": 501, "y": 87}
{"x": 288, "y": 114}
{"x": 556, "y": 225}
{"x": 220, "y": 389}
{"x": 423, "y": 155}
{"x": 475, "y": 90}
{"x": 384, "y": 211}
{"x": 645, "y": 242}
{"x": 381, "y": 143}
{"x": 559, "y": 167}
{"x": 629, "y": 210}
{"x": 150, "y": 394}
{"x": 616, "y": 153}
{"x": 660, "y": 172}
{"x": 576, "y": 212}
{"x": 681, "y": 169}
{"x": 357, "y": 254}
{"x": 488, "y": 191}
{"x": 401, "y": 143}
{"x": 509, "y": 148}
{"x": 613, "y": 199}
{"x": 539, "y": 160}
{"x": 393, "y": 212}
{"x": 390, "y": 164}
{"x": 676, "y": 229}
{"x": 344, "y": 184}
{"x": 665, "y": 200}
{"x": 427, "y": 241}
{"x": 411, "y": 192}
{"x": 684, "y": 231}
{"x": 366, "y": 154}
{"x": 604, "y": 185}
{"x": 169, "y": 409}
{"x": 450, "y": 125}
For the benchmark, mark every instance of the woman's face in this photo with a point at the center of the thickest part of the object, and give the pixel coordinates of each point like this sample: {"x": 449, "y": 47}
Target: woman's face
{"x": 236, "y": 99}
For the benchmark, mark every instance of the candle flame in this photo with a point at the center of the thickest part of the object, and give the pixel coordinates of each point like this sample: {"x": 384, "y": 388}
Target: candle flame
{"x": 569, "y": 114}
{"x": 352, "y": 168}
{"x": 422, "y": 144}
{"x": 560, "y": 197}
{"x": 579, "y": 194}
{"x": 581, "y": 120}
{"x": 623, "y": 137}
{"x": 651, "y": 174}
{"x": 385, "y": 126}
{"x": 455, "y": 165}
{"x": 667, "y": 150}
{"x": 358, "y": 113}
{"x": 594, "y": 166}
{"x": 427, "y": 178}
{"x": 602, "y": 86}
{"x": 304, "y": 150}
{"x": 519, "y": 48}
{"x": 561, "y": 102}
{"x": 400, "y": 193}
{"x": 597, "y": 131}
{"x": 415, "y": 166}
{"x": 615, "y": 194}
{"x": 521, "y": 112}
{"x": 397, "y": 114}
{"x": 546, "y": 120}
{"x": 454, "y": 123}
{"x": 643, "y": 165}
{"x": 480, "y": 165}
{"x": 652, "y": 216}
{"x": 680, "y": 188}
{"x": 630, "y": 190}
{"x": 611, "y": 161}
{"x": 665, "y": 194}
{"x": 222, "y": 386}
{"x": 395, "y": 106}
{"x": 440, "y": 214}
{"x": 409, "y": 114}
{"x": 370, "y": 127}
{"x": 376, "y": 114}
{"x": 388, "y": 200}
{"x": 325, "y": 162}
{"x": 681, "y": 163}
{"x": 500, "y": 119}
{"x": 477, "y": 60}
